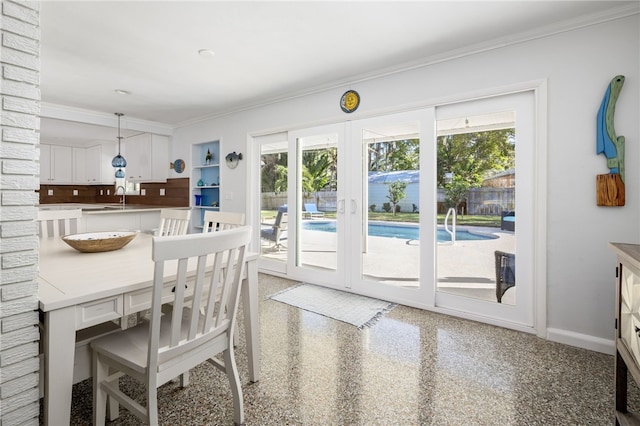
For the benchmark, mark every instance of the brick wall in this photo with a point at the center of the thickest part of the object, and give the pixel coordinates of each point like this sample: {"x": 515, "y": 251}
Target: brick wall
{"x": 19, "y": 169}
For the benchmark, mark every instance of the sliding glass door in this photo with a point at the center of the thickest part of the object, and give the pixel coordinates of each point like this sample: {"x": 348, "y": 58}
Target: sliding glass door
{"x": 354, "y": 216}
{"x": 391, "y": 232}
{"x": 482, "y": 146}
{"x": 272, "y": 181}
{"x": 417, "y": 208}
{"x": 316, "y": 205}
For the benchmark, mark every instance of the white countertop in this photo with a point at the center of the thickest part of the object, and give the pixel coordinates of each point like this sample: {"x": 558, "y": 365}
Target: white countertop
{"x": 106, "y": 208}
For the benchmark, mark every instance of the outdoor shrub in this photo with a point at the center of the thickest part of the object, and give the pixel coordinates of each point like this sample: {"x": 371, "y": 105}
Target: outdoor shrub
{"x": 372, "y": 207}
{"x": 397, "y": 208}
{"x": 415, "y": 208}
{"x": 386, "y": 207}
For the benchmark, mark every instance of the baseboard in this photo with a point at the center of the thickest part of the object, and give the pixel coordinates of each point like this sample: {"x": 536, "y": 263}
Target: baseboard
{"x": 584, "y": 341}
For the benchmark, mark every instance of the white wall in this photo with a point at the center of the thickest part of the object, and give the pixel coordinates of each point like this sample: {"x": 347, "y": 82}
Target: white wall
{"x": 578, "y": 65}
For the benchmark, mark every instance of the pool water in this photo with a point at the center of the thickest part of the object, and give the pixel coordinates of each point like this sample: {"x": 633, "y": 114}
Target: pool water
{"x": 405, "y": 232}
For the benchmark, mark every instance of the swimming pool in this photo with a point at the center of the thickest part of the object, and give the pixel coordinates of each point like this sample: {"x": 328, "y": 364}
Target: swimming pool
{"x": 406, "y": 232}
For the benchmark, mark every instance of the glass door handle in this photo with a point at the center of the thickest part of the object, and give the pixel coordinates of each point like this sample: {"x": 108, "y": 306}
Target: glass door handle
{"x": 354, "y": 206}
{"x": 341, "y": 206}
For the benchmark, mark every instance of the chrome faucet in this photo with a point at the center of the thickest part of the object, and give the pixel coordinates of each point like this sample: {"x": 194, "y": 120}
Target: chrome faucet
{"x": 122, "y": 200}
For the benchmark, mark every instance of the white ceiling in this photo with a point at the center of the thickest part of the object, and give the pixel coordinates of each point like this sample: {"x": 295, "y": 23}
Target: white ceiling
{"x": 264, "y": 51}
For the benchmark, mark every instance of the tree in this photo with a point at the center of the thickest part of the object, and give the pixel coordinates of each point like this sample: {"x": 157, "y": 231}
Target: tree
{"x": 316, "y": 171}
{"x": 281, "y": 179}
{"x": 396, "y": 193}
{"x": 473, "y": 156}
{"x": 456, "y": 192}
{"x": 273, "y": 173}
{"x": 401, "y": 154}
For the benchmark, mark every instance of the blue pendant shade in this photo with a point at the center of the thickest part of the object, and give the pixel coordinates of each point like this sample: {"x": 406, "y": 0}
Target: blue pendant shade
{"x": 119, "y": 161}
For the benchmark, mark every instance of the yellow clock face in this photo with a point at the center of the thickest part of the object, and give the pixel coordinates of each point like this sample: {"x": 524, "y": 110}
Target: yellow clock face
{"x": 350, "y": 101}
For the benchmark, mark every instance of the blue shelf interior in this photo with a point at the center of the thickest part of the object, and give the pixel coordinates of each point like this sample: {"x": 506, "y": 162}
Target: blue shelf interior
{"x": 210, "y": 176}
{"x": 213, "y": 148}
{"x": 209, "y": 195}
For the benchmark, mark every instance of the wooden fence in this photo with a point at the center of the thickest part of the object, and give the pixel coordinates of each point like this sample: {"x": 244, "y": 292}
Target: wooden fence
{"x": 480, "y": 201}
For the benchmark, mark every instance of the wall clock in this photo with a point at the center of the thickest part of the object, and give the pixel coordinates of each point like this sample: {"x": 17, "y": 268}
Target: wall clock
{"x": 350, "y": 101}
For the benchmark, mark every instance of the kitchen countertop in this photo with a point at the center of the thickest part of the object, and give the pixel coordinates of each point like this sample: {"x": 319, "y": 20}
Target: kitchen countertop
{"x": 106, "y": 208}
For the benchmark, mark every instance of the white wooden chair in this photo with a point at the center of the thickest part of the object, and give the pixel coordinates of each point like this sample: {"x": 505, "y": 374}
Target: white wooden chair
{"x": 57, "y": 223}
{"x": 220, "y": 221}
{"x": 174, "y": 222}
{"x": 168, "y": 345}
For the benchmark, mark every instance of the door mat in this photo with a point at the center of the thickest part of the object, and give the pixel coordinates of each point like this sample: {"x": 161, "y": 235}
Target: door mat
{"x": 354, "y": 309}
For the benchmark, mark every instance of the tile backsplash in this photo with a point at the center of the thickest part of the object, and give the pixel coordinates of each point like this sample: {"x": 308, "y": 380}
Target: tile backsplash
{"x": 176, "y": 194}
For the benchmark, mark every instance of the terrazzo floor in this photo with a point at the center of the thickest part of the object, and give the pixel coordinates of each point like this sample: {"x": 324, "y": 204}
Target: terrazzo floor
{"x": 412, "y": 367}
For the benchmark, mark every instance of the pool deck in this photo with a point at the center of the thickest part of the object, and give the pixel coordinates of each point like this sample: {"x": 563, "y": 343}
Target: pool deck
{"x": 466, "y": 267}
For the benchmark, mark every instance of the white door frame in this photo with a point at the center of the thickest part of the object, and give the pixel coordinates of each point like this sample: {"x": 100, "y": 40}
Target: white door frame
{"x": 521, "y": 314}
{"x": 539, "y": 250}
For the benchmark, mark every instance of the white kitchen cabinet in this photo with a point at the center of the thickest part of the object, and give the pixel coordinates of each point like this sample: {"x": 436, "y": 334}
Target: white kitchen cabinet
{"x": 45, "y": 164}
{"x": 79, "y": 165}
{"x": 56, "y": 164}
{"x": 98, "y": 165}
{"x": 147, "y": 158}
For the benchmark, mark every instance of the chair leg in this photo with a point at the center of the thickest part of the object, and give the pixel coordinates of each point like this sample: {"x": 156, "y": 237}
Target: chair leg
{"x": 113, "y": 406}
{"x": 234, "y": 381}
{"x": 152, "y": 405}
{"x": 184, "y": 379}
{"x": 100, "y": 372}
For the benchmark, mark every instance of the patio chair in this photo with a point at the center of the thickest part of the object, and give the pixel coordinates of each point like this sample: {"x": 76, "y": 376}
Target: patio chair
{"x": 505, "y": 273}
{"x": 168, "y": 345}
{"x": 508, "y": 221}
{"x": 277, "y": 232}
{"x": 57, "y": 223}
{"x": 311, "y": 210}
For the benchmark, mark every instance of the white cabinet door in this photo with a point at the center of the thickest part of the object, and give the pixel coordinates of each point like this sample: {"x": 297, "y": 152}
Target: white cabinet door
{"x": 79, "y": 166}
{"x": 94, "y": 164}
{"x": 159, "y": 158}
{"x": 56, "y": 164}
{"x": 137, "y": 152}
{"x": 98, "y": 160}
{"x": 147, "y": 158}
{"x": 45, "y": 164}
{"x": 61, "y": 164}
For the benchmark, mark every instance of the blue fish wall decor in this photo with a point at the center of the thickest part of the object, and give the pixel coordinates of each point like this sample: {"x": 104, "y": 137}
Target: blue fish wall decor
{"x": 607, "y": 142}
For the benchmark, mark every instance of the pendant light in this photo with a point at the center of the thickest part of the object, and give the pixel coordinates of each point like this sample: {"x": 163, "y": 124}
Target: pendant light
{"x": 118, "y": 161}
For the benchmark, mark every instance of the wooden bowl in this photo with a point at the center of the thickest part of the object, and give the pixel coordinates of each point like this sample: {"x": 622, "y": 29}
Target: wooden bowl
{"x": 96, "y": 242}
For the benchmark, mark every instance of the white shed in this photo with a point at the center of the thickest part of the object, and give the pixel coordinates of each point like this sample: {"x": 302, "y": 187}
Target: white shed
{"x": 378, "y": 189}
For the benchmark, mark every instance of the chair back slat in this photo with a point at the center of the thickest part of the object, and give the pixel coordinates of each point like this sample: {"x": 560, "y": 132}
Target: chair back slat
{"x": 57, "y": 223}
{"x": 213, "y": 294}
{"x": 220, "y": 221}
{"x": 174, "y": 222}
{"x": 212, "y": 254}
{"x": 197, "y": 297}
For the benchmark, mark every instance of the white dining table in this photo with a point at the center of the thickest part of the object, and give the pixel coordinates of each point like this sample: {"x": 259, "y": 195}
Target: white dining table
{"x": 81, "y": 290}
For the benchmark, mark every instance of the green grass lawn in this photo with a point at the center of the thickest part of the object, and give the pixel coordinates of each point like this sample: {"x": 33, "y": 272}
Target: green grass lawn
{"x": 466, "y": 220}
